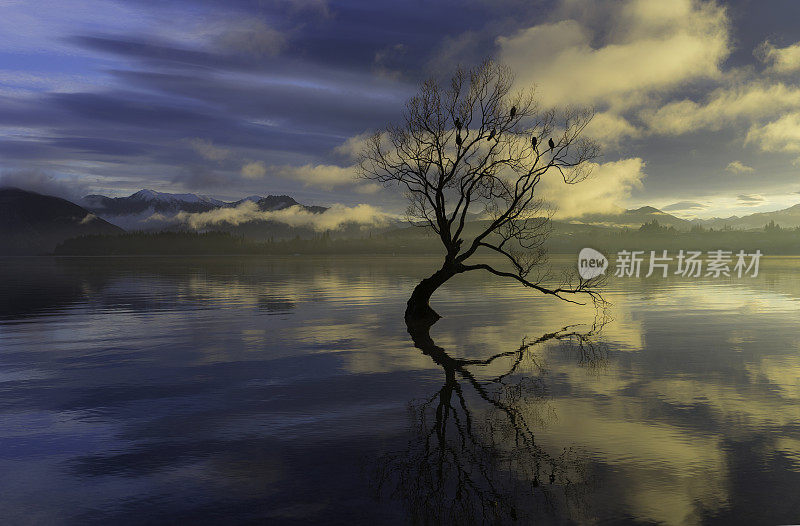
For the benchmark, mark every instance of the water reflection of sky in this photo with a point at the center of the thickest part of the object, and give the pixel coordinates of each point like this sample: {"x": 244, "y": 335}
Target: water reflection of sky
{"x": 254, "y": 388}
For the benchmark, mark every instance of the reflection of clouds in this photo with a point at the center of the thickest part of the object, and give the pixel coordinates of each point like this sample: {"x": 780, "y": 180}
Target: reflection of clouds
{"x": 335, "y": 286}
{"x": 692, "y": 367}
{"x": 608, "y": 381}
{"x": 742, "y": 405}
{"x": 669, "y": 471}
{"x": 782, "y": 373}
{"x": 676, "y": 473}
{"x": 789, "y": 447}
{"x": 517, "y": 312}
{"x": 724, "y": 296}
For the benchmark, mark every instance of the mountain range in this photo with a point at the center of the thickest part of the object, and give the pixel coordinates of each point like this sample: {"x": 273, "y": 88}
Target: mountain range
{"x": 634, "y": 218}
{"x": 788, "y": 217}
{"x": 151, "y": 201}
{"x": 32, "y": 223}
{"x": 145, "y": 202}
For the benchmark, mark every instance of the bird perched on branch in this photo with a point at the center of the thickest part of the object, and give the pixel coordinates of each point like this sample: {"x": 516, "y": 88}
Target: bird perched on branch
{"x": 491, "y": 135}
{"x": 551, "y": 144}
{"x": 458, "y": 139}
{"x": 458, "y": 123}
{"x": 513, "y": 111}
{"x": 533, "y": 142}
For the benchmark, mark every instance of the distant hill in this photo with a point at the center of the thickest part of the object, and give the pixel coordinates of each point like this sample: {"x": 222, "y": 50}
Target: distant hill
{"x": 279, "y": 202}
{"x": 634, "y": 219}
{"x": 787, "y": 217}
{"x": 32, "y": 223}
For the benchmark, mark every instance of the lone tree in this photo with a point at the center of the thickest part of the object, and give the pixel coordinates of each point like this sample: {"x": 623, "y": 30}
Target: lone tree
{"x": 476, "y": 146}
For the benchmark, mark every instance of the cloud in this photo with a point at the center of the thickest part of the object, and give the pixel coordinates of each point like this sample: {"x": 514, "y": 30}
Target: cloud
{"x": 386, "y": 59}
{"x": 227, "y": 78}
{"x": 782, "y": 135}
{"x": 738, "y": 167}
{"x": 647, "y": 46}
{"x": 779, "y": 60}
{"x": 250, "y": 36}
{"x": 368, "y": 188}
{"x": 606, "y": 189}
{"x": 750, "y": 199}
{"x": 296, "y": 216}
{"x": 724, "y": 106}
{"x": 44, "y": 183}
{"x": 684, "y": 205}
{"x": 319, "y": 6}
{"x": 325, "y": 176}
{"x": 207, "y": 150}
{"x": 88, "y": 219}
{"x": 608, "y": 128}
{"x": 463, "y": 48}
{"x": 195, "y": 176}
{"x": 353, "y": 146}
{"x": 254, "y": 170}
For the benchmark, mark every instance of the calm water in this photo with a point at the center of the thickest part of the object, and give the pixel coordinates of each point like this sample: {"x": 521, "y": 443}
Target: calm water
{"x": 289, "y": 391}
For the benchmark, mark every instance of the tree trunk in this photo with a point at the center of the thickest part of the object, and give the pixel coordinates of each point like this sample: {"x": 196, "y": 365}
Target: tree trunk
{"x": 417, "y": 308}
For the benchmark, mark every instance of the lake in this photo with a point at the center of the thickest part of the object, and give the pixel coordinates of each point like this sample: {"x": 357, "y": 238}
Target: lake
{"x": 290, "y": 391}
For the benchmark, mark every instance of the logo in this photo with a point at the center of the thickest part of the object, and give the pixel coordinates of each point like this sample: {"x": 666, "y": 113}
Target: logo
{"x": 591, "y": 263}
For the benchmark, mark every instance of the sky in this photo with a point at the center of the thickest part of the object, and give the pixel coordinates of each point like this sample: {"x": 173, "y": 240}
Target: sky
{"x": 698, "y": 102}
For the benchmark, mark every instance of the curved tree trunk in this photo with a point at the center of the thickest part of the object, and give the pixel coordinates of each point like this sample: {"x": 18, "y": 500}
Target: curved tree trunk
{"x": 417, "y": 307}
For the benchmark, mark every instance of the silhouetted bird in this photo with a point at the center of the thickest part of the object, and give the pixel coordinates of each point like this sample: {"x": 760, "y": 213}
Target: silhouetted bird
{"x": 513, "y": 111}
{"x": 458, "y": 139}
{"x": 533, "y": 142}
{"x": 552, "y": 144}
{"x": 458, "y": 123}
{"x": 491, "y": 135}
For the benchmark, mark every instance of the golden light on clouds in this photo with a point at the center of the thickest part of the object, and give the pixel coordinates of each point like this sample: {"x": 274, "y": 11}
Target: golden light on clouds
{"x": 608, "y": 185}
{"x": 333, "y": 218}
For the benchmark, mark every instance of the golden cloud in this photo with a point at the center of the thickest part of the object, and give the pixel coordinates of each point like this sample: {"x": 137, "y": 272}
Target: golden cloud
{"x": 254, "y": 170}
{"x": 652, "y": 46}
{"x": 724, "y": 105}
{"x": 297, "y": 216}
{"x": 608, "y": 186}
{"x": 780, "y": 60}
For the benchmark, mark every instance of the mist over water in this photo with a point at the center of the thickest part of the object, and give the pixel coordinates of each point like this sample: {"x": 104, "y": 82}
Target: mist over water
{"x": 288, "y": 390}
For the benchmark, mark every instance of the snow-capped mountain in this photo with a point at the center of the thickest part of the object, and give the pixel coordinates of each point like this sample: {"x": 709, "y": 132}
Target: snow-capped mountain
{"x": 150, "y": 200}
{"x": 163, "y": 197}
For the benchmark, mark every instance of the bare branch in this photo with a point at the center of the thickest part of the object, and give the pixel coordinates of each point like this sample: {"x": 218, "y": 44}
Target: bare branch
{"x": 476, "y": 148}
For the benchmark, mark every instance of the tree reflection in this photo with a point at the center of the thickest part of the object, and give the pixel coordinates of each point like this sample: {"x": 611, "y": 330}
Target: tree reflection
{"x": 473, "y": 457}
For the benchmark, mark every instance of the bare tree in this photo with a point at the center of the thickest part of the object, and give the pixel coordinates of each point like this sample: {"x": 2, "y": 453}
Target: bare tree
{"x": 476, "y": 146}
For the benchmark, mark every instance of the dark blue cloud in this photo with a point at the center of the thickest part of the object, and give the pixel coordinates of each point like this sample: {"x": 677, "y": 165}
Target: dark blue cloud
{"x": 337, "y": 69}
{"x": 97, "y": 145}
